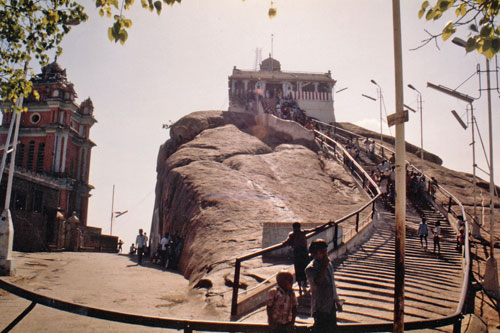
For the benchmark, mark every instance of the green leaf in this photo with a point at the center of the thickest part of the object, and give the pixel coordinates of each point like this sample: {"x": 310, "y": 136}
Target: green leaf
{"x": 127, "y": 23}
{"x": 495, "y": 44}
{"x": 448, "y": 30}
{"x": 421, "y": 13}
{"x": 157, "y": 5}
{"x": 123, "y": 36}
{"x": 470, "y": 45}
{"x": 425, "y": 4}
{"x": 430, "y": 14}
{"x": 487, "y": 49}
{"x": 111, "y": 35}
{"x": 473, "y": 27}
{"x": 272, "y": 12}
{"x": 444, "y": 5}
{"x": 486, "y": 31}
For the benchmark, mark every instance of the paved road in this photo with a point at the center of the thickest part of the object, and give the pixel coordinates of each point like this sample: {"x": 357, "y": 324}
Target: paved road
{"x": 108, "y": 281}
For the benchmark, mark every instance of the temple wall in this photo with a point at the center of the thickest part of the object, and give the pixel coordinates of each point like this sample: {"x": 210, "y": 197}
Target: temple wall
{"x": 321, "y": 110}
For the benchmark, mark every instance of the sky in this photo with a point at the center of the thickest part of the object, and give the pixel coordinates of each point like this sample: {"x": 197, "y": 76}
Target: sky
{"x": 178, "y": 62}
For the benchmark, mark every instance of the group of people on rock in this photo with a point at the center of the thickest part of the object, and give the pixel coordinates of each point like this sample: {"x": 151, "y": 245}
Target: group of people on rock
{"x": 168, "y": 253}
{"x": 288, "y": 109}
{"x": 313, "y": 268}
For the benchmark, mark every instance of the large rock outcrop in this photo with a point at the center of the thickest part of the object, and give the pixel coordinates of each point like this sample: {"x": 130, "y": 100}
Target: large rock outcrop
{"x": 222, "y": 175}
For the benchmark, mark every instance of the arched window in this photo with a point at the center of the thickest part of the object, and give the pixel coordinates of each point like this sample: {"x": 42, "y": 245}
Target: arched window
{"x": 40, "y": 157}
{"x": 31, "y": 155}
{"x": 20, "y": 155}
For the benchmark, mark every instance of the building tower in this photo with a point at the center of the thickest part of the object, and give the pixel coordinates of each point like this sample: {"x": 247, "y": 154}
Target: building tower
{"x": 52, "y": 161}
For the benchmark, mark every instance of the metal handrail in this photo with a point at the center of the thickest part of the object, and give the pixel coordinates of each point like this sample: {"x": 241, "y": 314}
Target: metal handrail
{"x": 224, "y": 326}
{"x": 456, "y": 316}
{"x": 313, "y": 232}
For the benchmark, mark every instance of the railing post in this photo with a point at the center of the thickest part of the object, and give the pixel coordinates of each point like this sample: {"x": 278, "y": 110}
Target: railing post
{"x": 335, "y": 236}
{"x": 374, "y": 210}
{"x": 236, "y": 284}
{"x": 449, "y": 206}
{"x": 357, "y": 222}
{"x": 457, "y": 325}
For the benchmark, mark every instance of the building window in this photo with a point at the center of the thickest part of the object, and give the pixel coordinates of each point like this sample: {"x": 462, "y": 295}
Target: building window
{"x": 324, "y": 88}
{"x": 19, "y": 155}
{"x": 31, "y": 155}
{"x": 35, "y": 118}
{"x": 20, "y": 201}
{"x": 40, "y": 157}
{"x": 37, "y": 201}
{"x": 55, "y": 93}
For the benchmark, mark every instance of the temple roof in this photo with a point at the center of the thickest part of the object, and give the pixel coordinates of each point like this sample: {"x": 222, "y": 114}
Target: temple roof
{"x": 270, "y": 64}
{"x": 281, "y": 76}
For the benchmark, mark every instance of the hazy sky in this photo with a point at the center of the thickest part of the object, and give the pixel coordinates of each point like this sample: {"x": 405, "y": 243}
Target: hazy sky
{"x": 178, "y": 62}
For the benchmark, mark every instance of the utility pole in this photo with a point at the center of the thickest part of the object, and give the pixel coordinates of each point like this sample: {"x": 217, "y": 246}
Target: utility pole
{"x": 112, "y": 210}
{"x": 490, "y": 282}
{"x": 7, "y": 266}
{"x": 399, "y": 281}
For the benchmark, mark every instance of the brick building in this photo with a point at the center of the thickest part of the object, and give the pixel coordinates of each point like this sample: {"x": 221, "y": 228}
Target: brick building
{"x": 52, "y": 166}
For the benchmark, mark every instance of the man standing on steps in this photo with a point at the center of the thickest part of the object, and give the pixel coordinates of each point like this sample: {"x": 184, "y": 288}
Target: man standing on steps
{"x": 298, "y": 241}
{"x": 324, "y": 298}
{"x": 140, "y": 241}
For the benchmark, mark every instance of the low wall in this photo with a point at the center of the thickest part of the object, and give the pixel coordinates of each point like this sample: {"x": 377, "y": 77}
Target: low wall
{"x": 252, "y": 300}
{"x": 296, "y": 131}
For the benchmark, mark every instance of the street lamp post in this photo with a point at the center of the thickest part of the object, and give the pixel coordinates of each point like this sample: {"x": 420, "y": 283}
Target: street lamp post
{"x": 379, "y": 94}
{"x": 469, "y": 100}
{"x": 419, "y": 107}
{"x": 490, "y": 282}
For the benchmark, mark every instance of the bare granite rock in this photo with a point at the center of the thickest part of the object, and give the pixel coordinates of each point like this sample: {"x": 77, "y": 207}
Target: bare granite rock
{"x": 221, "y": 176}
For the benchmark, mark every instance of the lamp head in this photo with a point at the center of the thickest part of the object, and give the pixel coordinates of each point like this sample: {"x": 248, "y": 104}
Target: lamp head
{"x": 411, "y": 87}
{"x": 458, "y": 41}
{"x": 373, "y": 81}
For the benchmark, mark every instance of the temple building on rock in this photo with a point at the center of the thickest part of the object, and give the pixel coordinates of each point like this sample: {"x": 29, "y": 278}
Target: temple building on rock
{"x": 265, "y": 89}
{"x": 51, "y": 189}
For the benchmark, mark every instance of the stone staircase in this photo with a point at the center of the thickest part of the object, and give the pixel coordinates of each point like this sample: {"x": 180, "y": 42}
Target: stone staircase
{"x": 365, "y": 279}
{"x": 365, "y": 276}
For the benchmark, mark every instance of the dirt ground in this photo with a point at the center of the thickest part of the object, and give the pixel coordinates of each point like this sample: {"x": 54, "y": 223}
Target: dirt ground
{"x": 109, "y": 281}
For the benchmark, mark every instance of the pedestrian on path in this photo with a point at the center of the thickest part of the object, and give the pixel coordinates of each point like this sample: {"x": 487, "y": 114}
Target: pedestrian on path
{"x": 324, "y": 298}
{"x": 423, "y": 231}
{"x": 282, "y": 305}
{"x": 140, "y": 241}
{"x": 165, "y": 247}
{"x": 436, "y": 236}
{"x": 298, "y": 241}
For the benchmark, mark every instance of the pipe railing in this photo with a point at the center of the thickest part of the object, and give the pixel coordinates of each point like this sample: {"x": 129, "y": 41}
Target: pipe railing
{"x": 224, "y": 326}
{"x": 366, "y": 179}
{"x": 456, "y": 317}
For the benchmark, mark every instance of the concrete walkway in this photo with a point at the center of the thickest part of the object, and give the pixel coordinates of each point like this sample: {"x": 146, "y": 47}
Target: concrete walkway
{"x": 109, "y": 281}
